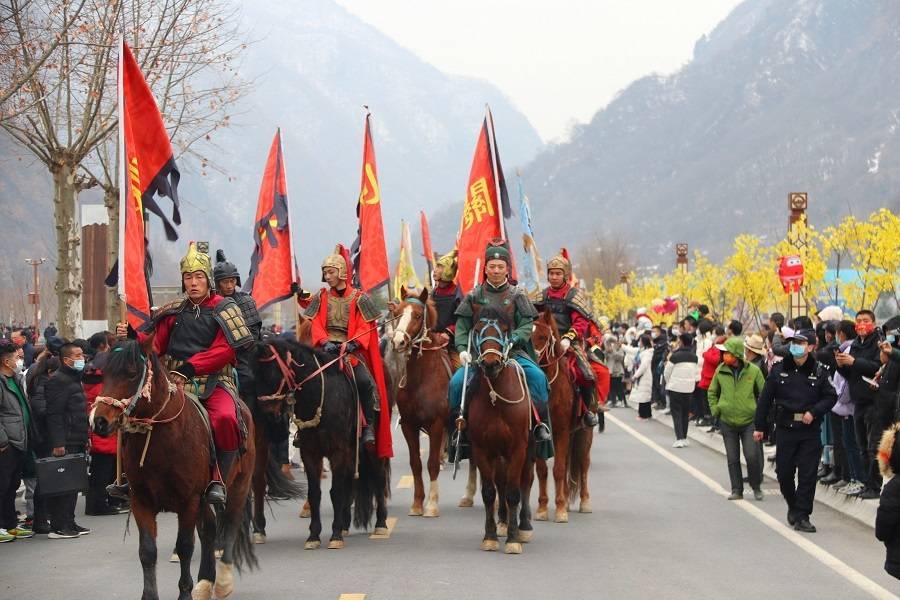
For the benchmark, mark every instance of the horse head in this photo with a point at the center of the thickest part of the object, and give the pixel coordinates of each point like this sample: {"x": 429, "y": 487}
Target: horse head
{"x": 127, "y": 384}
{"x": 545, "y": 337}
{"x": 492, "y": 340}
{"x": 415, "y": 314}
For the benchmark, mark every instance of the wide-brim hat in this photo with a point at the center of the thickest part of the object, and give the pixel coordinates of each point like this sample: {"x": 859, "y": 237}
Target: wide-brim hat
{"x": 754, "y": 344}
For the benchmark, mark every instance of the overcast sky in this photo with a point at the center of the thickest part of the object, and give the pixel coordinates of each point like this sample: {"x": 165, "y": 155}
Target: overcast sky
{"x": 558, "y": 60}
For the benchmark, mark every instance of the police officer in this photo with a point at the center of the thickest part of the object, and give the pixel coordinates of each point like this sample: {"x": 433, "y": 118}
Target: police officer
{"x": 802, "y": 396}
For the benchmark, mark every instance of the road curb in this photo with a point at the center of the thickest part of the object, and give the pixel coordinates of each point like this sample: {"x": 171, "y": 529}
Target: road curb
{"x": 862, "y": 511}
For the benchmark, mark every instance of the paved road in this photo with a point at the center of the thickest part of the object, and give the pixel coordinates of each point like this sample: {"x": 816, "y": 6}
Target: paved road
{"x": 661, "y": 529}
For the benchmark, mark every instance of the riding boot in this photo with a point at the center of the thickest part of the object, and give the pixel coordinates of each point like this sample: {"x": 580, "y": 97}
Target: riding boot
{"x": 587, "y": 397}
{"x": 215, "y": 491}
{"x": 542, "y": 429}
{"x": 120, "y": 492}
{"x": 368, "y": 432}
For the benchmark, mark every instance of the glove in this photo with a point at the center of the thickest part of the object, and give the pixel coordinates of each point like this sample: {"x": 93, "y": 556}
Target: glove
{"x": 465, "y": 358}
{"x": 565, "y": 343}
{"x": 352, "y": 347}
{"x": 331, "y": 347}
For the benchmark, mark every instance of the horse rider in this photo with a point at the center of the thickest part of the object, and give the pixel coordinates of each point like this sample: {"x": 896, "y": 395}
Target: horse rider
{"x": 446, "y": 296}
{"x": 200, "y": 336}
{"x": 343, "y": 322}
{"x": 498, "y": 292}
{"x": 570, "y": 309}
{"x": 227, "y": 280}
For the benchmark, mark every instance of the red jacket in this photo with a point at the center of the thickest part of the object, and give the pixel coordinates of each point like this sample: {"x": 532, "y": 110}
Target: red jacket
{"x": 711, "y": 359}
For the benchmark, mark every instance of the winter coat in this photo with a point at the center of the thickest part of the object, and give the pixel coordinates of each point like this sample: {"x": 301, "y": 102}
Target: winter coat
{"x": 615, "y": 362}
{"x": 887, "y": 525}
{"x": 866, "y": 363}
{"x": 13, "y": 427}
{"x": 844, "y": 405}
{"x": 631, "y": 353}
{"x": 682, "y": 371}
{"x": 888, "y": 383}
{"x": 708, "y": 366}
{"x": 643, "y": 377}
{"x": 795, "y": 390}
{"x": 732, "y": 395}
{"x": 67, "y": 423}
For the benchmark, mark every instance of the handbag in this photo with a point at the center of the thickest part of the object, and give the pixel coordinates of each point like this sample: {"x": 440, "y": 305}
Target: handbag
{"x": 58, "y": 475}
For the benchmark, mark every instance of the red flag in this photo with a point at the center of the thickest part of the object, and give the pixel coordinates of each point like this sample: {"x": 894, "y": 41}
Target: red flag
{"x": 272, "y": 270}
{"x": 482, "y": 217}
{"x": 146, "y": 168}
{"x": 426, "y": 242}
{"x": 370, "y": 262}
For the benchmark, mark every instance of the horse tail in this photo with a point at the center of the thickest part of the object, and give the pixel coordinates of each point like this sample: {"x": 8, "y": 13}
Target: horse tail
{"x": 576, "y": 448}
{"x": 244, "y": 551}
{"x": 374, "y": 480}
{"x": 279, "y": 485}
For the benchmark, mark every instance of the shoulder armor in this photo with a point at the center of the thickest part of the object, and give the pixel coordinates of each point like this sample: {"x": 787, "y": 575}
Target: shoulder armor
{"x": 228, "y": 314}
{"x": 367, "y": 307}
{"x": 248, "y": 307}
{"x": 169, "y": 308}
{"x": 578, "y": 300}
{"x": 313, "y": 309}
{"x": 523, "y": 304}
{"x": 465, "y": 307}
{"x": 539, "y": 298}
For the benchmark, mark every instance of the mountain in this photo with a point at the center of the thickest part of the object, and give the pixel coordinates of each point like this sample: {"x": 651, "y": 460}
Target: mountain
{"x": 783, "y": 96}
{"x": 313, "y": 66}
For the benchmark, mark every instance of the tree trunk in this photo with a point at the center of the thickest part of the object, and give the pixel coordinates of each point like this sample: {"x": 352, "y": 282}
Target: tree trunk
{"x": 111, "y": 201}
{"x": 68, "y": 252}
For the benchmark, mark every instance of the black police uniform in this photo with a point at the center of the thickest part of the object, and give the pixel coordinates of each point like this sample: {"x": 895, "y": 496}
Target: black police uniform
{"x": 795, "y": 390}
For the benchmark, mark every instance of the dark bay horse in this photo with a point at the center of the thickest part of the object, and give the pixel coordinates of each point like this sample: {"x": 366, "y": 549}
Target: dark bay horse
{"x": 499, "y": 426}
{"x": 324, "y": 406}
{"x": 422, "y": 392}
{"x": 166, "y": 456}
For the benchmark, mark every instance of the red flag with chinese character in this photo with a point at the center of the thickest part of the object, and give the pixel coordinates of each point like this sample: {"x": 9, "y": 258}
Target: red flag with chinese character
{"x": 370, "y": 262}
{"x": 426, "y": 242}
{"x": 272, "y": 270}
{"x": 147, "y": 168}
{"x": 482, "y": 217}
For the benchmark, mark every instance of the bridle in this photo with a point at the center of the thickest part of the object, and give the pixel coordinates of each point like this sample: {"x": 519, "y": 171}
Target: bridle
{"x": 548, "y": 351}
{"x": 422, "y": 337}
{"x": 501, "y": 338}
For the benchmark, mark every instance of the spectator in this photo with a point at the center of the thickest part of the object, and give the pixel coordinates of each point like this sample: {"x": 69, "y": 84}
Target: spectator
{"x": 887, "y": 521}
{"x": 103, "y": 448}
{"x": 734, "y": 328}
{"x": 21, "y": 339}
{"x": 641, "y": 392}
{"x": 802, "y": 397}
{"x": 755, "y": 352}
{"x": 733, "y": 392}
{"x": 776, "y": 338}
{"x": 660, "y": 350}
{"x": 709, "y": 362}
{"x": 843, "y": 410}
{"x": 99, "y": 342}
{"x": 704, "y": 341}
{"x": 67, "y": 430}
{"x": 615, "y": 362}
{"x": 15, "y": 420}
{"x": 862, "y": 361}
{"x": 49, "y": 331}
{"x": 681, "y": 374}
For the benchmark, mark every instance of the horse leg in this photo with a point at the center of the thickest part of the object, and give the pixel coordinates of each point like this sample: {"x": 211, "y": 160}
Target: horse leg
{"x": 502, "y": 509}
{"x": 184, "y": 547}
{"x": 231, "y": 519}
{"x": 526, "y": 530}
{"x": 541, "y": 514}
{"x": 382, "y": 468}
{"x": 206, "y": 527}
{"x": 468, "y": 498}
{"x": 435, "y": 441}
{"x": 341, "y": 482}
{"x": 488, "y": 496}
{"x": 560, "y": 479}
{"x": 259, "y": 484}
{"x": 584, "y": 455}
{"x": 314, "y": 497}
{"x": 145, "y": 517}
{"x": 411, "y": 433}
{"x": 513, "y": 497}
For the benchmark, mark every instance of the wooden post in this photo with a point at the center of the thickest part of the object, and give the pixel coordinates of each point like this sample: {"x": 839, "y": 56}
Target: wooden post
{"x": 681, "y": 265}
{"x": 797, "y": 205}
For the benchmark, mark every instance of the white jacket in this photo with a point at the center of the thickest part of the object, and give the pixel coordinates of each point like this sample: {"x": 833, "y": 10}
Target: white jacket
{"x": 681, "y": 376}
{"x": 643, "y": 378}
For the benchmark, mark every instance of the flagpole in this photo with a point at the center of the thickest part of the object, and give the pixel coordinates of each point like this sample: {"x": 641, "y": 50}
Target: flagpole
{"x": 290, "y": 225}
{"x": 123, "y": 168}
{"x": 494, "y": 157}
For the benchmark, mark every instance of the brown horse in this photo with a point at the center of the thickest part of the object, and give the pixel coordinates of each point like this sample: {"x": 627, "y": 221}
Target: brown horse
{"x": 422, "y": 392}
{"x": 499, "y": 425}
{"x": 166, "y": 456}
{"x": 553, "y": 361}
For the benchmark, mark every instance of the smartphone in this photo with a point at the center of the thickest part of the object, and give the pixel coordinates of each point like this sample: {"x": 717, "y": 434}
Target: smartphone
{"x": 870, "y": 381}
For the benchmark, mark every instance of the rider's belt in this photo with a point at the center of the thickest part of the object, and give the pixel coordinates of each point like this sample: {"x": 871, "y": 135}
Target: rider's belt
{"x": 203, "y": 385}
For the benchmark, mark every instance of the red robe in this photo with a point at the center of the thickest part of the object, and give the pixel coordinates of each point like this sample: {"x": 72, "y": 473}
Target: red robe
{"x": 370, "y": 354}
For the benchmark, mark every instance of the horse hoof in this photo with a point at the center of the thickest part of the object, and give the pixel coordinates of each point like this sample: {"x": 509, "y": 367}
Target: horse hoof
{"x": 174, "y": 558}
{"x": 203, "y": 590}
{"x": 218, "y": 553}
{"x": 490, "y": 545}
{"x": 305, "y": 512}
{"x": 224, "y": 581}
{"x": 259, "y": 538}
{"x": 526, "y": 536}
{"x": 335, "y": 544}
{"x": 381, "y": 531}
{"x": 312, "y": 545}
{"x": 561, "y": 517}
{"x": 416, "y": 511}
{"x": 432, "y": 511}
{"x": 501, "y": 529}
{"x": 512, "y": 548}
{"x": 541, "y": 514}
{"x": 585, "y": 507}
{"x": 466, "y": 503}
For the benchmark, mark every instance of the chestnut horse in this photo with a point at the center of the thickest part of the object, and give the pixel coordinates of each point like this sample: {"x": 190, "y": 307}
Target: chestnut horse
{"x": 422, "y": 392}
{"x": 499, "y": 425}
{"x": 166, "y": 456}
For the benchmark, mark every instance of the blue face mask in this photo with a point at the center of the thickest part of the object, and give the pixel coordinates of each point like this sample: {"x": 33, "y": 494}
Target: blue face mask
{"x": 797, "y": 350}
{"x": 78, "y": 365}
{"x": 891, "y": 338}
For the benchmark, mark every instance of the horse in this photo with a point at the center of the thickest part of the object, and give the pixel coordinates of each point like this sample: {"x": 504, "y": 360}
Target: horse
{"x": 422, "y": 392}
{"x": 499, "y": 426}
{"x": 169, "y": 471}
{"x": 313, "y": 388}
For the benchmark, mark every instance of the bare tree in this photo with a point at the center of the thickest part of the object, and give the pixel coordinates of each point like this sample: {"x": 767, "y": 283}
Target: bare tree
{"x": 186, "y": 49}
{"x": 605, "y": 258}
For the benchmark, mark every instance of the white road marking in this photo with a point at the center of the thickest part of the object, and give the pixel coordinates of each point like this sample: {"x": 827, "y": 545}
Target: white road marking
{"x": 817, "y": 552}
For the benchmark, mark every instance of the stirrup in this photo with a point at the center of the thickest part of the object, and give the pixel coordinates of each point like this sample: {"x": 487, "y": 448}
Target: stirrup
{"x": 542, "y": 432}
{"x": 460, "y": 423}
{"x": 590, "y": 419}
{"x": 118, "y": 491}
{"x": 215, "y": 493}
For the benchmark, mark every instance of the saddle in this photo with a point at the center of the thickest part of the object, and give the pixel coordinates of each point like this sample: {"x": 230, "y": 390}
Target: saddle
{"x": 204, "y": 416}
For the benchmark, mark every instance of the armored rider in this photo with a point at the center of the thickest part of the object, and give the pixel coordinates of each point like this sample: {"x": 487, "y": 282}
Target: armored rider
{"x": 343, "y": 322}
{"x": 498, "y": 292}
{"x": 573, "y": 317}
{"x": 446, "y": 296}
{"x": 199, "y": 336}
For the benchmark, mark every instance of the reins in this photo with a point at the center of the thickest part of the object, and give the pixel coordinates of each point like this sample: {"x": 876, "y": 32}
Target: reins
{"x": 549, "y": 350}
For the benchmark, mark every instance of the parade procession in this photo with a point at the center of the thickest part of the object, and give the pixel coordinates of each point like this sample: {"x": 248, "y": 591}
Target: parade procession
{"x": 613, "y": 384}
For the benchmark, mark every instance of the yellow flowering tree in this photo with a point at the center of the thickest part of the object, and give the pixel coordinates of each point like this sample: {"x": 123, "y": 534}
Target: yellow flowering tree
{"x": 752, "y": 282}
{"x": 806, "y": 242}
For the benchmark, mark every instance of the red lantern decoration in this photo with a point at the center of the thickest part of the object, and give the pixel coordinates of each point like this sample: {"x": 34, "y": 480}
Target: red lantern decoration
{"x": 790, "y": 272}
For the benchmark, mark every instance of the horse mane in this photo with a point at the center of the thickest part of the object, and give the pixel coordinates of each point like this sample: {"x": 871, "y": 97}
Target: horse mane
{"x": 497, "y": 314}
{"x": 123, "y": 356}
{"x": 297, "y": 349}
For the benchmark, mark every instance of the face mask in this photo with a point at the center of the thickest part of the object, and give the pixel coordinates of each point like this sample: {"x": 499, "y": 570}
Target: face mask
{"x": 20, "y": 365}
{"x": 730, "y": 360}
{"x": 796, "y": 350}
{"x": 653, "y": 336}
{"x": 891, "y": 338}
{"x": 676, "y": 333}
{"x": 78, "y": 365}
{"x": 865, "y": 329}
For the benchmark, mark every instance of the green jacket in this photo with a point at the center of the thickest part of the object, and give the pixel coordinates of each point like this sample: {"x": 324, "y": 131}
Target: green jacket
{"x": 732, "y": 396}
{"x": 486, "y": 295}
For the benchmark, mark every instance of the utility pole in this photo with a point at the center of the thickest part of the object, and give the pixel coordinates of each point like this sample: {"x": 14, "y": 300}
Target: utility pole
{"x": 34, "y": 297}
{"x": 681, "y": 265}
{"x": 798, "y": 202}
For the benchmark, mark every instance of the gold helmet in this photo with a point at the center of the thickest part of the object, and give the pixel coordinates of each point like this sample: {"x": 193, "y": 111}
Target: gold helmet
{"x": 560, "y": 261}
{"x": 449, "y": 262}
{"x": 336, "y": 261}
{"x": 194, "y": 261}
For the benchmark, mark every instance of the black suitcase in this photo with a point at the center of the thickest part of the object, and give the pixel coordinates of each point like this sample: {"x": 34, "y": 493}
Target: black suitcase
{"x": 62, "y": 475}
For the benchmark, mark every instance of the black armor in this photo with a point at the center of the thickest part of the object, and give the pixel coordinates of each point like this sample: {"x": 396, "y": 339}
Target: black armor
{"x": 562, "y": 308}
{"x": 446, "y": 310}
{"x": 251, "y": 315}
